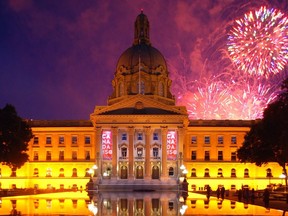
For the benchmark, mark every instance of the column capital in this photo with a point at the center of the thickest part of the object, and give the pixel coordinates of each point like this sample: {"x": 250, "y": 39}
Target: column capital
{"x": 98, "y": 129}
{"x": 164, "y": 129}
{"x": 131, "y": 130}
{"x": 147, "y": 130}
{"x": 114, "y": 129}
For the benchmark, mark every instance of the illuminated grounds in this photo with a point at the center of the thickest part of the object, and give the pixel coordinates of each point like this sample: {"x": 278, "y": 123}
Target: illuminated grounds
{"x": 127, "y": 203}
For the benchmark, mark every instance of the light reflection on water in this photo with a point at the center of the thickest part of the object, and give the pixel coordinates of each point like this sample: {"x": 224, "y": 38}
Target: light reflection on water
{"x": 126, "y": 203}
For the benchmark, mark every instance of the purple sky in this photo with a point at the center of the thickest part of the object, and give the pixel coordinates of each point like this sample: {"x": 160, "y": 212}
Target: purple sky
{"x": 58, "y": 57}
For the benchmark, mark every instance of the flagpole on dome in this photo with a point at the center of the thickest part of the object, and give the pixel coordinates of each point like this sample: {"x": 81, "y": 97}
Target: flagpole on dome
{"x": 139, "y": 70}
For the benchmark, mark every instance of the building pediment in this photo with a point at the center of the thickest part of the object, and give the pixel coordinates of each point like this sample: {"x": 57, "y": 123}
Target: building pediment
{"x": 140, "y": 105}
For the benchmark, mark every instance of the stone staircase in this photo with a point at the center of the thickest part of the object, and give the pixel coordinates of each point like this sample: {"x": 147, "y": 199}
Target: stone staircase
{"x": 137, "y": 185}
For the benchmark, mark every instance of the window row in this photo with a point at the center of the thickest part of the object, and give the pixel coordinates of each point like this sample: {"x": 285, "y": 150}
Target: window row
{"x": 61, "y": 140}
{"x": 233, "y": 156}
{"x": 61, "y": 156}
{"x": 61, "y": 173}
{"x": 205, "y": 203}
{"x": 232, "y": 174}
{"x": 139, "y": 152}
{"x": 139, "y": 136}
{"x": 220, "y": 140}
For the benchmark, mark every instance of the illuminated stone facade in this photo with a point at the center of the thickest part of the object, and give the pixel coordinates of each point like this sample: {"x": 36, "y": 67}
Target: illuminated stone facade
{"x": 139, "y": 140}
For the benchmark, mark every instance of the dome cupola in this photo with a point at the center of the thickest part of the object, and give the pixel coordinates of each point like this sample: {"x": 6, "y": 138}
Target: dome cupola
{"x": 141, "y": 69}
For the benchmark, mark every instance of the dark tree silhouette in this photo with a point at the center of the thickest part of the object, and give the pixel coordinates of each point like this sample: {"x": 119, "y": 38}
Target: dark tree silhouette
{"x": 267, "y": 140}
{"x": 15, "y": 134}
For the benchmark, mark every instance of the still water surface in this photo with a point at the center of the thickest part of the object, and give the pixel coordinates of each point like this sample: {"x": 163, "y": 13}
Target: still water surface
{"x": 126, "y": 204}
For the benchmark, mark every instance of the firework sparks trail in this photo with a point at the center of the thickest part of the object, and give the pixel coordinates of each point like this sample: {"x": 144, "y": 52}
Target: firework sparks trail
{"x": 258, "y": 42}
{"x": 221, "y": 90}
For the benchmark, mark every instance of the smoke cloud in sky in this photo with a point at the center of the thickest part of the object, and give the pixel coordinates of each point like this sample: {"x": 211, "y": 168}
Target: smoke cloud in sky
{"x": 58, "y": 58}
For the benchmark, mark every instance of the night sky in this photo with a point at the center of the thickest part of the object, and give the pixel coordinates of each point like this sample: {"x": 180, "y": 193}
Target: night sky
{"x": 58, "y": 57}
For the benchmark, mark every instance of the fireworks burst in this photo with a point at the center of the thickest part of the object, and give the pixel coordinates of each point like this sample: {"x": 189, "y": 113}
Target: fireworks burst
{"x": 218, "y": 99}
{"x": 258, "y": 43}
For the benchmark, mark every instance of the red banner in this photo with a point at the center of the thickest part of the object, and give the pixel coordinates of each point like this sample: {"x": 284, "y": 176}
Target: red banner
{"x": 107, "y": 145}
{"x": 171, "y": 145}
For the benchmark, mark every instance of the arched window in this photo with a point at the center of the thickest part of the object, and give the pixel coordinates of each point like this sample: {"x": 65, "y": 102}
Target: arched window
{"x": 246, "y": 173}
{"x": 121, "y": 89}
{"x": 233, "y": 173}
{"x": 48, "y": 172}
{"x": 220, "y": 173}
{"x": 87, "y": 174}
{"x": 141, "y": 90}
{"x": 74, "y": 172}
{"x": 36, "y": 172}
{"x": 61, "y": 172}
{"x": 193, "y": 172}
{"x": 171, "y": 171}
{"x": 206, "y": 174}
{"x": 269, "y": 173}
{"x": 161, "y": 89}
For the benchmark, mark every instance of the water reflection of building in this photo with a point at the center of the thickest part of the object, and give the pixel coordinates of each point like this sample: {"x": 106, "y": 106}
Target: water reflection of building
{"x": 141, "y": 203}
{"x": 140, "y": 140}
{"x": 126, "y": 204}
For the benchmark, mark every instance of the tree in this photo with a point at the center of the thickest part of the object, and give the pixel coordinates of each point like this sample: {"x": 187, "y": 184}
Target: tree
{"x": 15, "y": 134}
{"x": 267, "y": 140}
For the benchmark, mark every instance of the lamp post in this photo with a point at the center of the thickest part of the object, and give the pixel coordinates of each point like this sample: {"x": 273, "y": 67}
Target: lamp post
{"x": 282, "y": 176}
{"x": 94, "y": 168}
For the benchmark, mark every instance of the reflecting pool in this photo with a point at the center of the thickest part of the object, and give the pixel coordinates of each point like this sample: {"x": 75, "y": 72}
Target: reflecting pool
{"x": 126, "y": 203}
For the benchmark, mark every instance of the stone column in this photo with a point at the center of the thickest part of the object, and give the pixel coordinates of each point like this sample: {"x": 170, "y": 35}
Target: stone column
{"x": 180, "y": 151}
{"x": 98, "y": 150}
{"x": 114, "y": 152}
{"x": 164, "y": 131}
{"x": 147, "y": 131}
{"x": 131, "y": 206}
{"x": 130, "y": 153}
{"x": 181, "y": 139}
{"x": 147, "y": 205}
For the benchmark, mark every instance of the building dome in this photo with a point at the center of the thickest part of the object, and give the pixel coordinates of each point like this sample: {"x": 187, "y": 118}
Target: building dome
{"x": 141, "y": 55}
{"x": 141, "y": 69}
{"x": 150, "y": 59}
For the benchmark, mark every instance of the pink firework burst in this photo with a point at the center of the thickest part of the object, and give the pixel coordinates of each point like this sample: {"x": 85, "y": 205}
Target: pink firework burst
{"x": 258, "y": 42}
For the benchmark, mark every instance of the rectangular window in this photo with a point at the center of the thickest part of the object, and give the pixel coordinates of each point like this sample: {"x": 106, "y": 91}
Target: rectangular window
{"x": 220, "y": 140}
{"x": 194, "y": 140}
{"x": 124, "y": 136}
{"x": 233, "y": 140}
{"x": 233, "y": 156}
{"x": 233, "y": 187}
{"x": 139, "y": 152}
{"x": 124, "y": 153}
{"x": 207, "y": 156}
{"x": 61, "y": 140}
{"x": 49, "y": 140}
{"x": 155, "y": 152}
{"x": 193, "y": 155}
{"x": 87, "y": 155}
{"x": 74, "y": 140}
{"x": 139, "y": 136}
{"x": 74, "y": 155}
{"x": 220, "y": 155}
{"x": 36, "y": 156}
{"x": 206, "y": 139}
{"x": 61, "y": 155}
{"x": 155, "y": 136}
{"x": 48, "y": 155}
{"x": 87, "y": 140}
{"x": 36, "y": 140}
